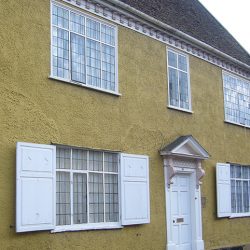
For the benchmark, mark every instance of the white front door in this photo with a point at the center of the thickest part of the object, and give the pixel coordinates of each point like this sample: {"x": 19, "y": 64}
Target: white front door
{"x": 180, "y": 215}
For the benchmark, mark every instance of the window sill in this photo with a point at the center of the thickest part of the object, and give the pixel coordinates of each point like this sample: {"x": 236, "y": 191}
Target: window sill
{"x": 239, "y": 215}
{"x": 237, "y": 124}
{"x": 180, "y": 109}
{"x": 85, "y": 86}
{"x": 93, "y": 226}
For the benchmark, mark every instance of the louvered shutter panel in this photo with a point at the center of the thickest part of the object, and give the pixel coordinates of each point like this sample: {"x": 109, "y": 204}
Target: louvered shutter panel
{"x": 35, "y": 187}
{"x": 135, "y": 189}
{"x": 223, "y": 190}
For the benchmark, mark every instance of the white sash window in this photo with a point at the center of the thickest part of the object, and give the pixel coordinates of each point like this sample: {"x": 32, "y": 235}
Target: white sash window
{"x": 87, "y": 187}
{"x": 178, "y": 81}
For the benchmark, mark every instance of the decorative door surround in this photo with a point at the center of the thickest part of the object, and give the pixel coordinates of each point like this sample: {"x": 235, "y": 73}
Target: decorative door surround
{"x": 184, "y": 156}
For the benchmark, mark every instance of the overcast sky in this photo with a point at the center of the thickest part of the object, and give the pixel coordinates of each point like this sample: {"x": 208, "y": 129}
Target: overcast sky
{"x": 234, "y": 15}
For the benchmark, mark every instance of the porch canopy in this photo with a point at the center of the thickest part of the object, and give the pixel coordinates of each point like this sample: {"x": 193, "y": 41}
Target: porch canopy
{"x": 185, "y": 146}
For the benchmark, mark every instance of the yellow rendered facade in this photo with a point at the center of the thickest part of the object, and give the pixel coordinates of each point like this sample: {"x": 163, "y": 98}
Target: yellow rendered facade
{"x": 37, "y": 109}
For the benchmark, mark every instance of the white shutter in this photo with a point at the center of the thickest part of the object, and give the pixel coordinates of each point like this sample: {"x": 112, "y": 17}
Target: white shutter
{"x": 135, "y": 189}
{"x": 35, "y": 187}
{"x": 223, "y": 190}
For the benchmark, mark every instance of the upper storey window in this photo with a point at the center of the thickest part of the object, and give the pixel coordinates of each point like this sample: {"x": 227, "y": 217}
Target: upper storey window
{"x": 236, "y": 100}
{"x": 178, "y": 81}
{"x": 83, "y": 50}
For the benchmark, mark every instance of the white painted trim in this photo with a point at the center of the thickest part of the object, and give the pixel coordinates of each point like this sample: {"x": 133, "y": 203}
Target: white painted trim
{"x": 195, "y": 146}
{"x": 180, "y": 109}
{"x": 201, "y": 153}
{"x": 235, "y": 215}
{"x": 235, "y": 123}
{"x": 144, "y": 24}
{"x": 186, "y": 156}
{"x": 90, "y": 226}
{"x": 84, "y": 85}
{"x": 196, "y": 217}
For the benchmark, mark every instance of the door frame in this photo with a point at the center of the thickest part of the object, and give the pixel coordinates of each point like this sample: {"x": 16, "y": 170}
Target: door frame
{"x": 196, "y": 220}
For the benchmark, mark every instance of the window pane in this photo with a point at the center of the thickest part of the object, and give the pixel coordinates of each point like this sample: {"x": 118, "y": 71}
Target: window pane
{"x": 238, "y": 172}
{"x": 63, "y": 158}
{"x": 172, "y": 59}
{"x": 80, "y": 198}
{"x": 111, "y": 198}
{"x": 173, "y": 87}
{"x": 93, "y": 62}
{"x": 77, "y": 58}
{"x": 60, "y": 17}
{"x": 232, "y": 171}
{"x": 183, "y": 85}
{"x": 63, "y": 211}
{"x": 245, "y": 197}
{"x": 241, "y": 105}
{"x": 95, "y": 161}
{"x": 233, "y": 196}
{"x": 239, "y": 196}
{"x": 93, "y": 29}
{"x": 96, "y": 198}
{"x": 245, "y": 172}
{"x": 182, "y": 62}
{"x": 110, "y": 162}
{"x": 60, "y": 53}
{"x": 79, "y": 159}
{"x": 77, "y": 23}
{"x": 108, "y": 34}
{"x": 108, "y": 67}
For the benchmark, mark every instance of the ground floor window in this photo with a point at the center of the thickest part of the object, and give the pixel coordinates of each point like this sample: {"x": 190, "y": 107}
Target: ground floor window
{"x": 233, "y": 190}
{"x": 63, "y": 188}
{"x": 240, "y": 188}
{"x": 86, "y": 186}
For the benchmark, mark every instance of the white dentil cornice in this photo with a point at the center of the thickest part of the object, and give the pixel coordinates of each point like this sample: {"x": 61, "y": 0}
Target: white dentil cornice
{"x": 162, "y": 32}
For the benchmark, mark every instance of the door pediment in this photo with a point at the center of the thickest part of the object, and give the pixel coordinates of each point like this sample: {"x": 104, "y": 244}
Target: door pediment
{"x": 185, "y": 146}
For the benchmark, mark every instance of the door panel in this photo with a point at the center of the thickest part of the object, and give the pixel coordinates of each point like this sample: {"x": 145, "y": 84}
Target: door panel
{"x": 181, "y": 212}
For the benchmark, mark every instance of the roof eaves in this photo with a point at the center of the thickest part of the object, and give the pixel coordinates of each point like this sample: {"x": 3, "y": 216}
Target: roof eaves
{"x": 175, "y": 31}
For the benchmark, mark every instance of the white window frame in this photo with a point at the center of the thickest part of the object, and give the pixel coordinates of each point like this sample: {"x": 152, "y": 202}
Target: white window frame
{"x": 188, "y": 76}
{"x": 224, "y": 191}
{"x": 236, "y": 77}
{"x": 91, "y": 226}
{"x": 235, "y": 214}
{"x": 101, "y": 21}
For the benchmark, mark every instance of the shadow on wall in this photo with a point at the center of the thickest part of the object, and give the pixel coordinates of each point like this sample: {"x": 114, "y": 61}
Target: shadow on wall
{"x": 246, "y": 247}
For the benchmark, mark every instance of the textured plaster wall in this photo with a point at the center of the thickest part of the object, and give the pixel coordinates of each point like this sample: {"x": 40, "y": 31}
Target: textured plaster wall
{"x": 40, "y": 110}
